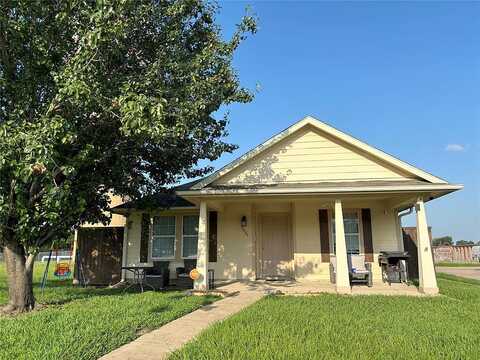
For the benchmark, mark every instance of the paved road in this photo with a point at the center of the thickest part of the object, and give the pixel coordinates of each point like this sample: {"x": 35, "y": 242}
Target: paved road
{"x": 468, "y": 272}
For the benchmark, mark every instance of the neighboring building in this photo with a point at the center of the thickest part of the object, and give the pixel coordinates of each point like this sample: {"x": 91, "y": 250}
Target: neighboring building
{"x": 287, "y": 208}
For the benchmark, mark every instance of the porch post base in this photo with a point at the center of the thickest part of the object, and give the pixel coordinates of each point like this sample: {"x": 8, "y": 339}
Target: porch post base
{"x": 199, "y": 286}
{"x": 343, "y": 289}
{"x": 428, "y": 291}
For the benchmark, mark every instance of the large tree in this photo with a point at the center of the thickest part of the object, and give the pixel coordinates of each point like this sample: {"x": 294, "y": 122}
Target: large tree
{"x": 98, "y": 96}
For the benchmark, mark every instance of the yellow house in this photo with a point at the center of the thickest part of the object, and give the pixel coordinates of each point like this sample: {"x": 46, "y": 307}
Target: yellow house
{"x": 304, "y": 200}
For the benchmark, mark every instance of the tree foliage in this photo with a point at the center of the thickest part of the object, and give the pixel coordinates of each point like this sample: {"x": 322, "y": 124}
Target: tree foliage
{"x": 444, "y": 240}
{"x": 102, "y": 95}
{"x": 465, "y": 242}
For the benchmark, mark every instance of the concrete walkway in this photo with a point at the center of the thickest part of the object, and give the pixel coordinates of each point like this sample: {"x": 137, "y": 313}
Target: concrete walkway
{"x": 159, "y": 343}
{"x": 467, "y": 272}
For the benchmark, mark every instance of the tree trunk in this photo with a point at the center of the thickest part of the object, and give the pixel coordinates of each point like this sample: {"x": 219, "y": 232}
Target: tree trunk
{"x": 20, "y": 275}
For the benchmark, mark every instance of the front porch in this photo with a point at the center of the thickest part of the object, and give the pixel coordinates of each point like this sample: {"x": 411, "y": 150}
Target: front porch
{"x": 295, "y": 288}
{"x": 297, "y": 240}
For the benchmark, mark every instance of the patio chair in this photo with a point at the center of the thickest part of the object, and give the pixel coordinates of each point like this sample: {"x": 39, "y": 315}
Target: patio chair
{"x": 183, "y": 274}
{"x": 158, "y": 277}
{"x": 359, "y": 270}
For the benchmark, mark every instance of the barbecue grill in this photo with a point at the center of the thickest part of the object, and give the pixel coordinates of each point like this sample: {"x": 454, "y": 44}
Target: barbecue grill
{"x": 394, "y": 266}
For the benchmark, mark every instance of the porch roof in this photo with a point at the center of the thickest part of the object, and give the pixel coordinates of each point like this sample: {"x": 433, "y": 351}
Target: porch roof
{"x": 184, "y": 196}
{"x": 347, "y": 187}
{"x": 157, "y": 201}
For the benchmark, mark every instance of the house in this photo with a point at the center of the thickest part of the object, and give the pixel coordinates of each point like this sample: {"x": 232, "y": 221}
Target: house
{"x": 309, "y": 196}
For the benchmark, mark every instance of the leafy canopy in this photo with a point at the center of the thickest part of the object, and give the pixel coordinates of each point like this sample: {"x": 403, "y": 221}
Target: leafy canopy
{"x": 444, "y": 240}
{"x": 101, "y": 95}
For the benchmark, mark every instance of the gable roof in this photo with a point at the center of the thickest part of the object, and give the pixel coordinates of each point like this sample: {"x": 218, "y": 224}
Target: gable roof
{"x": 329, "y": 130}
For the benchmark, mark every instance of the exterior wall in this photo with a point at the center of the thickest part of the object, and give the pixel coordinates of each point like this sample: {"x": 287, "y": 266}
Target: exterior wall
{"x": 134, "y": 222}
{"x": 117, "y": 220}
{"x": 237, "y": 247}
{"x": 308, "y": 264}
{"x": 309, "y": 156}
{"x": 306, "y": 236}
{"x": 385, "y": 236}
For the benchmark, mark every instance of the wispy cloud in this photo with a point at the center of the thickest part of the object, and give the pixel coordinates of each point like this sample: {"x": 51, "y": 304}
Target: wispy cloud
{"x": 455, "y": 147}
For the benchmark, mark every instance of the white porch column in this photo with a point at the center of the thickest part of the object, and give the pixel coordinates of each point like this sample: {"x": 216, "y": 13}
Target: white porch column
{"x": 342, "y": 279}
{"x": 426, "y": 270}
{"x": 202, "y": 251}
{"x": 125, "y": 249}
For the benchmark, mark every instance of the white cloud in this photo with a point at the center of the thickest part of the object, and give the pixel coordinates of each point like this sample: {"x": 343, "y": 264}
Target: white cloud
{"x": 455, "y": 147}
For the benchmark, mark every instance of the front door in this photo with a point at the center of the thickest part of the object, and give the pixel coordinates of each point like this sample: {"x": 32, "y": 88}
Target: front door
{"x": 276, "y": 246}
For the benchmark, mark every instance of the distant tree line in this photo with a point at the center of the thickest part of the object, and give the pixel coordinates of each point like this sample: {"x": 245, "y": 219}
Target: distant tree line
{"x": 447, "y": 240}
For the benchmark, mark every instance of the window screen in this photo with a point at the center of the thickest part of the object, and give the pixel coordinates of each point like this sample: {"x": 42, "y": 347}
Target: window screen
{"x": 190, "y": 236}
{"x": 163, "y": 237}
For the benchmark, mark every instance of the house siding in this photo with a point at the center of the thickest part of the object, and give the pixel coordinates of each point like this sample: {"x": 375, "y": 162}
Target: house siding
{"x": 134, "y": 238}
{"x": 238, "y": 248}
{"x": 307, "y": 255}
{"x": 308, "y": 156}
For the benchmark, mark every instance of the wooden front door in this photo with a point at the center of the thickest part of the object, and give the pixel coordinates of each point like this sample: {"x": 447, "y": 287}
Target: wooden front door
{"x": 276, "y": 246}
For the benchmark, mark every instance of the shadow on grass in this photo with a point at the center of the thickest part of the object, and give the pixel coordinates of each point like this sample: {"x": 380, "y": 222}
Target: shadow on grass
{"x": 446, "y": 276}
{"x": 63, "y": 294}
{"x": 159, "y": 309}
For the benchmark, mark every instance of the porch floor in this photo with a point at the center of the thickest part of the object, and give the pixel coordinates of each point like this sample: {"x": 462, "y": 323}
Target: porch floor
{"x": 291, "y": 287}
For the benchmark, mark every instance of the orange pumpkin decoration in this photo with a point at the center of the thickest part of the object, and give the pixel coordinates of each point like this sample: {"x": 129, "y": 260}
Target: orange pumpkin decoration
{"x": 194, "y": 274}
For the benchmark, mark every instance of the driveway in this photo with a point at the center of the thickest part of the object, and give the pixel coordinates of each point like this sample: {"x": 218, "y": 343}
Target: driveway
{"x": 467, "y": 272}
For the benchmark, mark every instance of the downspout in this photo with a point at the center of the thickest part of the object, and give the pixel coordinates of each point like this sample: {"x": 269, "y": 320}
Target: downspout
{"x": 410, "y": 210}
{"x": 400, "y": 232}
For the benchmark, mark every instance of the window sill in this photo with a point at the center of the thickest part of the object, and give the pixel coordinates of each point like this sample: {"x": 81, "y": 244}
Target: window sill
{"x": 163, "y": 259}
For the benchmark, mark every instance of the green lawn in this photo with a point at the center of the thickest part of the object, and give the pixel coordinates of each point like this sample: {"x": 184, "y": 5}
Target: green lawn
{"x": 458, "y": 264}
{"x": 346, "y": 327}
{"x": 85, "y": 323}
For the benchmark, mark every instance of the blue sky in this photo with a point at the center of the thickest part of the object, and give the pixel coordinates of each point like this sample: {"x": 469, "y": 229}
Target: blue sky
{"x": 403, "y": 77}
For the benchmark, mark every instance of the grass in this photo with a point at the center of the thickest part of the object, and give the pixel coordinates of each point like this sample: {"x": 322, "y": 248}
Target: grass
{"x": 456, "y": 278}
{"x": 85, "y": 323}
{"x": 458, "y": 264}
{"x": 345, "y": 327}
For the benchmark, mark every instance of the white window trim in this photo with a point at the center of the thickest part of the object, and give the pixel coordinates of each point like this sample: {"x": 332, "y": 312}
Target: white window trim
{"x": 361, "y": 247}
{"x": 183, "y": 236}
{"x": 174, "y": 239}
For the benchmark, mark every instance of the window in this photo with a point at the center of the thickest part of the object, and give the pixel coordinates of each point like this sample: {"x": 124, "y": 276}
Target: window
{"x": 163, "y": 237}
{"x": 351, "y": 226}
{"x": 190, "y": 236}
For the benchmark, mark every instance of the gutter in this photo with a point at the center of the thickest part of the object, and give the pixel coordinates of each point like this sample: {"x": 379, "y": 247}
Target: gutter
{"x": 313, "y": 190}
{"x": 408, "y": 212}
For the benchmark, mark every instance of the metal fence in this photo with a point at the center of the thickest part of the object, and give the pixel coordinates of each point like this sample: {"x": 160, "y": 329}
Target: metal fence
{"x": 43, "y": 255}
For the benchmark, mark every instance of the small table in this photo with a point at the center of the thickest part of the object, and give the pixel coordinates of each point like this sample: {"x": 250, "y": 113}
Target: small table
{"x": 138, "y": 272}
